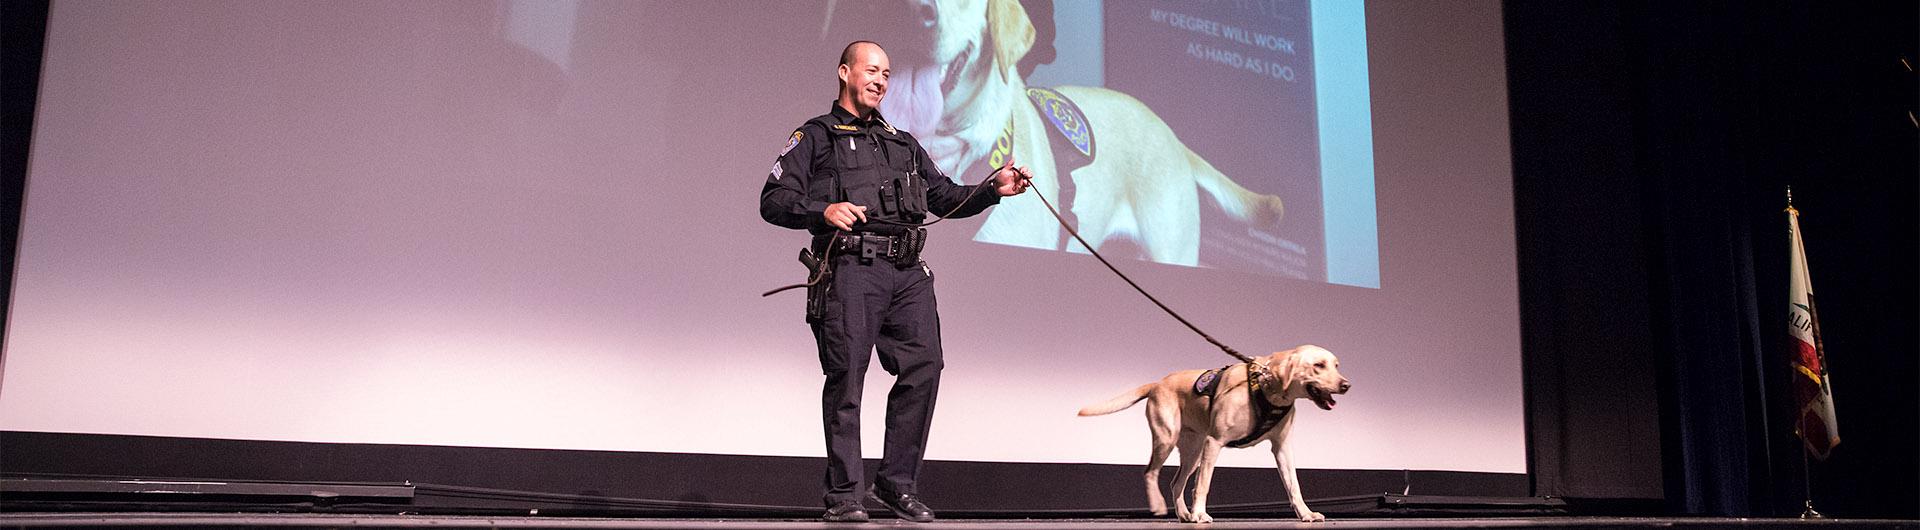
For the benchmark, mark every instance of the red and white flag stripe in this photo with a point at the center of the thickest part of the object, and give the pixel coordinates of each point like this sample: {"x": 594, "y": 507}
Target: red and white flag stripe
{"x": 1813, "y": 391}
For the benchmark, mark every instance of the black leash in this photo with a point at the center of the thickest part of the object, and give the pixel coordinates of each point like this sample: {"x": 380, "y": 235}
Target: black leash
{"x": 825, "y": 260}
{"x": 1143, "y": 292}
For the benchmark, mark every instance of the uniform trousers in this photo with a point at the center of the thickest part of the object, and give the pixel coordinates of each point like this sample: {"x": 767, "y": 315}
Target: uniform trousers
{"x": 877, "y": 306}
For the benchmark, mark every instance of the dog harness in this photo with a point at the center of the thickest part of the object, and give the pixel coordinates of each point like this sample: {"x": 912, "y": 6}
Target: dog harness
{"x": 1266, "y": 415}
{"x": 1070, "y": 138}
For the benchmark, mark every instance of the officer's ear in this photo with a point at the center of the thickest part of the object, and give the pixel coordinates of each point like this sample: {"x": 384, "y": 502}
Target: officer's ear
{"x": 844, "y": 71}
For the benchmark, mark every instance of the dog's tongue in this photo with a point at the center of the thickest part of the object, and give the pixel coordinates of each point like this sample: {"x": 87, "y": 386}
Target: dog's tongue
{"x": 1323, "y": 399}
{"x": 914, "y": 102}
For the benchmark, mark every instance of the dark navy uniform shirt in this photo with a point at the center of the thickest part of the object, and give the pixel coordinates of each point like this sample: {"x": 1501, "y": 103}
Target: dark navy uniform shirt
{"x": 862, "y": 153}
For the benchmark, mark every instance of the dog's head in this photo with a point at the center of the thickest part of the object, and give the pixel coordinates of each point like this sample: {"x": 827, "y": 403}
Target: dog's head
{"x": 973, "y": 48}
{"x": 1309, "y": 372}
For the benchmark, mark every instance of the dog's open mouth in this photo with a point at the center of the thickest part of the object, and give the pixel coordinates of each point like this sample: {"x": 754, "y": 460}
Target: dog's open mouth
{"x": 1320, "y": 397}
{"x": 919, "y": 94}
{"x": 951, "y": 77}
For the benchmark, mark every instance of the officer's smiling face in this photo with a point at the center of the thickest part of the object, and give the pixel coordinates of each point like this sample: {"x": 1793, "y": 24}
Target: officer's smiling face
{"x": 866, "y": 78}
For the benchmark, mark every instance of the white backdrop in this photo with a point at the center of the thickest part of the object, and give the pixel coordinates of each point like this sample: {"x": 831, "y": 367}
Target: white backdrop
{"x": 532, "y": 224}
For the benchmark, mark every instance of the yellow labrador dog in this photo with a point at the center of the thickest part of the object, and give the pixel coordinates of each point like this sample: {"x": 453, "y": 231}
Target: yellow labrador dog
{"x": 1141, "y": 184}
{"x": 1180, "y": 415}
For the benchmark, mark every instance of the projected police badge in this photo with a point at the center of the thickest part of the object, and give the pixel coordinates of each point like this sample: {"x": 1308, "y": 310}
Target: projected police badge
{"x": 791, "y": 141}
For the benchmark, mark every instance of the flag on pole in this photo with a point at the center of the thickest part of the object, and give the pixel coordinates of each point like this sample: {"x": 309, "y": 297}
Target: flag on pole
{"x": 1813, "y": 393}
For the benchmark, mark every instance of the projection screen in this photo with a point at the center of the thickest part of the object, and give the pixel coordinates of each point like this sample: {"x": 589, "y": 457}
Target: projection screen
{"x": 532, "y": 224}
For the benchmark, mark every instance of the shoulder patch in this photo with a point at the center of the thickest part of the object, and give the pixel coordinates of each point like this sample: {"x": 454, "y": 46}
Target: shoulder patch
{"x": 793, "y": 141}
{"x": 1065, "y": 117}
{"x": 845, "y": 127}
{"x": 1207, "y": 383}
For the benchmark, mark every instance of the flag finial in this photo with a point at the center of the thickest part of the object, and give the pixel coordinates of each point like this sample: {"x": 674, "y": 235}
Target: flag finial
{"x": 1790, "y": 201}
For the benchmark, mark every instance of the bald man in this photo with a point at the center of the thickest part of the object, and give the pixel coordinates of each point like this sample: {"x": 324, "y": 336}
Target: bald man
{"x": 860, "y": 186}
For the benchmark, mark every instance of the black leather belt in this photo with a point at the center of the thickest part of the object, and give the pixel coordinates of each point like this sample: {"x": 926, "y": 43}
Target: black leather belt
{"x": 852, "y": 243}
{"x": 902, "y": 250}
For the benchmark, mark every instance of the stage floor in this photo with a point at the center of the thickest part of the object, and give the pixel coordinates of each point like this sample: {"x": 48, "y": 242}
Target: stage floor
{"x": 218, "y": 520}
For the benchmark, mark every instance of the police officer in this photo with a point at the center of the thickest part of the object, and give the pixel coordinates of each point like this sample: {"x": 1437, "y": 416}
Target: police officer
{"x": 859, "y": 185}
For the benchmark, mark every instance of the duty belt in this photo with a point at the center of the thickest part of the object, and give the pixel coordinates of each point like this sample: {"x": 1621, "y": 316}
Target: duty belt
{"x": 902, "y": 250}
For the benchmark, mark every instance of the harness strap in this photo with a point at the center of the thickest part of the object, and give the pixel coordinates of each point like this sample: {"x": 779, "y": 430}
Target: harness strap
{"x": 1266, "y": 415}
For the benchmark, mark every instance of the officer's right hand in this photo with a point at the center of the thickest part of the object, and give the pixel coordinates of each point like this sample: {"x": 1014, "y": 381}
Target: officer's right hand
{"x": 843, "y": 214}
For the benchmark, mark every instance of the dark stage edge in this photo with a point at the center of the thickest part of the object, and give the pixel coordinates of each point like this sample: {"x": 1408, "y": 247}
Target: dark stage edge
{"x": 217, "y": 520}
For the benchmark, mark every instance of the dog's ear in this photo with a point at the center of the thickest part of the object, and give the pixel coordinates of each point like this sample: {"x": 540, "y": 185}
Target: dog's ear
{"x": 1012, "y": 34}
{"x": 1284, "y": 366}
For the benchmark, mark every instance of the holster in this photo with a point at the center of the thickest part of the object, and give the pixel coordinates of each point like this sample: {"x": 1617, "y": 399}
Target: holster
{"x": 821, "y": 279}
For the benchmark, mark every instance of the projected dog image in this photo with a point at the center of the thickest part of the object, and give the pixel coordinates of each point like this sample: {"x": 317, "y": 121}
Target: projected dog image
{"x": 1240, "y": 405}
{"x": 1130, "y": 175}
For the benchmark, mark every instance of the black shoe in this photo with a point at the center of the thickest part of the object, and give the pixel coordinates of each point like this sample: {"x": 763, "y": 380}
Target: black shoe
{"x": 846, "y": 512}
{"x": 905, "y": 505}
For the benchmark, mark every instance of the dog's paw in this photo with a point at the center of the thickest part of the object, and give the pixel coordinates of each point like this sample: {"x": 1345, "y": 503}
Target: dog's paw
{"x": 1312, "y": 517}
{"x": 1157, "y": 510}
{"x": 1202, "y": 518}
{"x": 1272, "y": 213}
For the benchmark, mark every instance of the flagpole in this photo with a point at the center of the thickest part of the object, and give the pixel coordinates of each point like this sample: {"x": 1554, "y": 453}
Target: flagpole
{"x": 1806, "y": 471}
{"x": 1800, "y": 425}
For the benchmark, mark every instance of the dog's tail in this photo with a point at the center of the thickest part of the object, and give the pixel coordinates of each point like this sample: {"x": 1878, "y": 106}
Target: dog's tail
{"x": 1118, "y": 403}
{"x": 1241, "y": 203}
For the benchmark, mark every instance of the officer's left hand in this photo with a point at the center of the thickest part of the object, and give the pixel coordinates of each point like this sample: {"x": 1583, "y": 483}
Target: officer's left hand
{"x": 1011, "y": 180}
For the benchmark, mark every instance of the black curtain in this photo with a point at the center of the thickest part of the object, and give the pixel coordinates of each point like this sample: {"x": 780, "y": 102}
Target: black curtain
{"x": 1653, "y": 144}
{"x": 23, "y": 31}
{"x": 1584, "y": 254}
